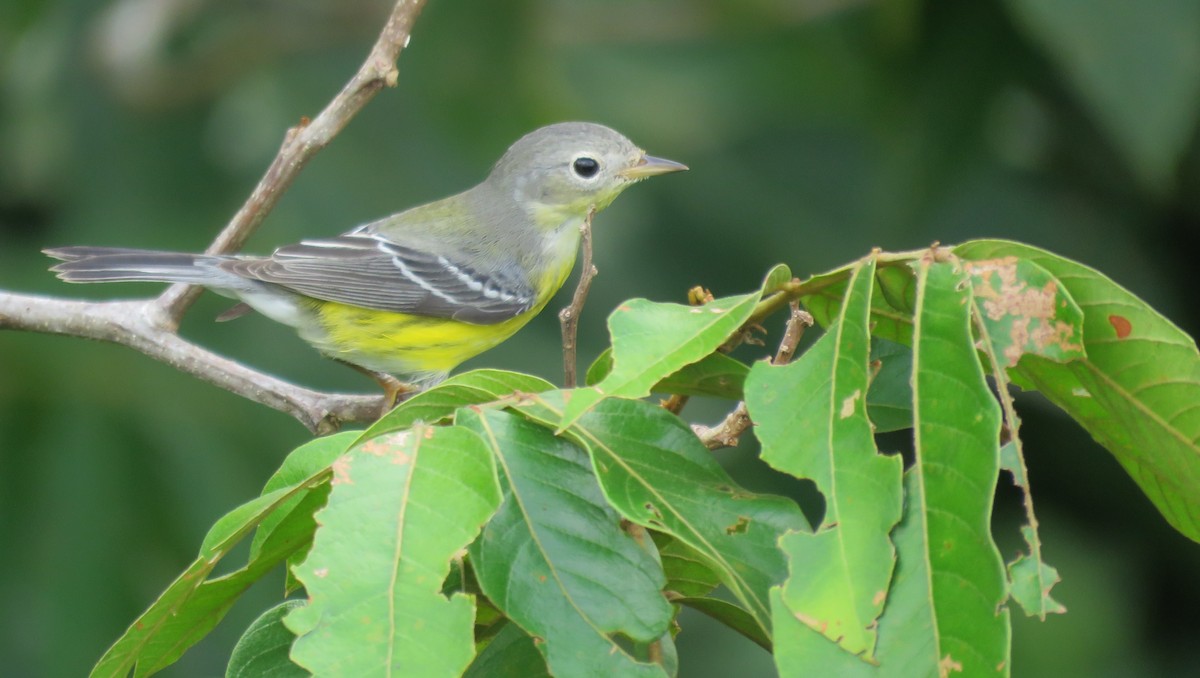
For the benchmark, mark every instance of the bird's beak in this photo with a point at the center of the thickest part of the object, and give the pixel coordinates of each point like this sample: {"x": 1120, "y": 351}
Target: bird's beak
{"x": 649, "y": 166}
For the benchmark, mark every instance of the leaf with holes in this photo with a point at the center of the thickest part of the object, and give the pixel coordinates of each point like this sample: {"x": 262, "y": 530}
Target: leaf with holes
{"x": 811, "y": 418}
{"x": 401, "y": 506}
{"x": 1137, "y": 389}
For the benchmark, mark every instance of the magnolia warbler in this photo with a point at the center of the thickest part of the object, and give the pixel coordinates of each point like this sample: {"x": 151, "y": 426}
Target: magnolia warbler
{"x": 417, "y": 293}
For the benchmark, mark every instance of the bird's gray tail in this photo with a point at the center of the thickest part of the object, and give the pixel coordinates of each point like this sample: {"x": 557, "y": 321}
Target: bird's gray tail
{"x": 116, "y": 264}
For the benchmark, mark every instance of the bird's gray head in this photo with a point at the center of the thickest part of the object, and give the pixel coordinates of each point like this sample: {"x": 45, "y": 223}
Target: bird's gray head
{"x": 562, "y": 170}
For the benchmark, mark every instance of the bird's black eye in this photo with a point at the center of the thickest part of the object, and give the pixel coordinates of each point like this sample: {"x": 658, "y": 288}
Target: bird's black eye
{"x": 585, "y": 167}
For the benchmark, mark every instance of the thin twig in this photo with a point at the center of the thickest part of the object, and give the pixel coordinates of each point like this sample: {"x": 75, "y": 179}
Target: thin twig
{"x": 569, "y": 316}
{"x": 727, "y": 433}
{"x": 797, "y": 322}
{"x": 302, "y": 142}
{"x": 138, "y": 324}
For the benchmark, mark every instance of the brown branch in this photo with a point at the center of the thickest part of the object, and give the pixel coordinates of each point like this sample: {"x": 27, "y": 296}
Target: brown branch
{"x": 569, "y": 316}
{"x": 302, "y": 142}
{"x": 149, "y": 325}
{"x": 727, "y": 433}
{"x": 797, "y": 322}
{"x": 139, "y": 324}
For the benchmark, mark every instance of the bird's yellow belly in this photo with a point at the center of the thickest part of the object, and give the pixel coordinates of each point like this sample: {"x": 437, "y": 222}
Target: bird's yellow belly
{"x": 397, "y": 343}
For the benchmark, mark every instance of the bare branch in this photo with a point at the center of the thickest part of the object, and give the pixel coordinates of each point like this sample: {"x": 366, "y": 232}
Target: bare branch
{"x": 139, "y": 324}
{"x": 302, "y": 142}
{"x": 726, "y": 433}
{"x": 797, "y": 322}
{"x": 569, "y": 316}
{"x": 149, "y": 325}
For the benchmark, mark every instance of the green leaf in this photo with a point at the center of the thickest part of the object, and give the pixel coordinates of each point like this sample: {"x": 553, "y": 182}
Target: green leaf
{"x": 1031, "y": 579}
{"x": 716, "y": 375}
{"x": 651, "y": 341}
{"x": 1024, "y": 309}
{"x": 657, "y": 474}
{"x": 889, "y": 400}
{"x": 262, "y": 651}
{"x": 688, "y": 574}
{"x": 1019, "y": 309}
{"x": 811, "y": 419}
{"x": 730, "y": 615}
{"x": 956, "y": 436}
{"x": 511, "y": 654}
{"x": 555, "y": 560}
{"x": 440, "y": 402}
{"x": 193, "y": 604}
{"x": 891, "y": 304}
{"x": 401, "y": 506}
{"x": 1136, "y": 392}
{"x": 295, "y": 516}
{"x": 898, "y": 287}
{"x": 1136, "y": 66}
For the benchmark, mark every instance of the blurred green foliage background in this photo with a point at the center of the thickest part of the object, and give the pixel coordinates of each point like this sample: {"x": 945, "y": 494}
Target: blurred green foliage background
{"x": 816, "y": 130}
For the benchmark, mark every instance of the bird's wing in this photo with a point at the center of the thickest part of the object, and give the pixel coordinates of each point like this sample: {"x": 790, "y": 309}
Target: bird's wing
{"x": 371, "y": 271}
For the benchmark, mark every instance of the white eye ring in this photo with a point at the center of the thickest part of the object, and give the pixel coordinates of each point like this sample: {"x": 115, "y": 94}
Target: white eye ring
{"x": 585, "y": 167}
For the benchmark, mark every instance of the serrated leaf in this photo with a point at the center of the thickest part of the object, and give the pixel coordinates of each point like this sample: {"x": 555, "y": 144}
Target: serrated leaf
{"x": 262, "y": 651}
{"x": 657, "y": 474}
{"x": 812, "y": 423}
{"x": 554, "y": 558}
{"x": 400, "y": 507}
{"x": 440, "y": 402}
{"x": 193, "y": 604}
{"x": 1135, "y": 392}
{"x": 956, "y": 440}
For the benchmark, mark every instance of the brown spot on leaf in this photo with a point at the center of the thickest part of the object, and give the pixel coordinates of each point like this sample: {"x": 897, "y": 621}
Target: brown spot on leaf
{"x": 948, "y": 665}
{"x": 1032, "y": 309}
{"x": 818, "y": 624}
{"x": 740, "y": 527}
{"x": 849, "y": 402}
{"x": 341, "y": 471}
{"x": 879, "y": 597}
{"x": 1121, "y": 324}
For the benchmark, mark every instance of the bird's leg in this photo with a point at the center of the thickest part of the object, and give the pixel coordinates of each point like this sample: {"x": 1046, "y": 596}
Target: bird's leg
{"x": 394, "y": 390}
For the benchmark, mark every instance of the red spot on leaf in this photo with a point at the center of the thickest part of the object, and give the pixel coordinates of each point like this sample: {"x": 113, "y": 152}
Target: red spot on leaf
{"x": 1121, "y": 324}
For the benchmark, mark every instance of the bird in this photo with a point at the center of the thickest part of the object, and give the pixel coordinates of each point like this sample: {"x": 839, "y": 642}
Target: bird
{"x": 409, "y": 297}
